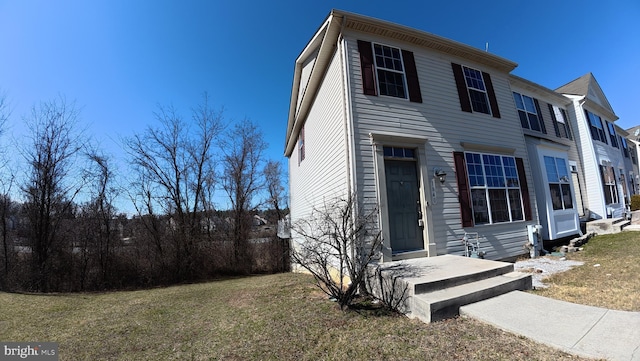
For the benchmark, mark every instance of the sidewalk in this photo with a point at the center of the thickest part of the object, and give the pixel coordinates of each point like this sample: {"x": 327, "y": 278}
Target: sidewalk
{"x": 577, "y": 329}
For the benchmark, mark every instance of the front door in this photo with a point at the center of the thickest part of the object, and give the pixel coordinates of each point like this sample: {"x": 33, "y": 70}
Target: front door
{"x": 403, "y": 197}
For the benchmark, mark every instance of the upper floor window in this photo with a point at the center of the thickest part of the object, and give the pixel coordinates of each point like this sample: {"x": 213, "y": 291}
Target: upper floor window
{"x": 494, "y": 187}
{"x": 558, "y": 178}
{"x": 625, "y": 147}
{"x": 560, "y": 121}
{"x": 477, "y": 90}
{"x": 390, "y": 71}
{"x": 612, "y": 134}
{"x": 527, "y": 111}
{"x": 595, "y": 124}
{"x": 301, "y": 145}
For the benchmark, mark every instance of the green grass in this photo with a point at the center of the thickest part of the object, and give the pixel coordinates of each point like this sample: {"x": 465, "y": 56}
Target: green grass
{"x": 275, "y": 317}
{"x": 614, "y": 284}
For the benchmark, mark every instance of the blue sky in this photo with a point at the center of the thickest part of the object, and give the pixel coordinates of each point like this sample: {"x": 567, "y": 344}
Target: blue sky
{"x": 119, "y": 59}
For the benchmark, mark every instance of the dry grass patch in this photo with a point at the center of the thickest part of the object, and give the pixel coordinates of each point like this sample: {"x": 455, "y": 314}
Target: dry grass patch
{"x": 610, "y": 276}
{"x": 275, "y": 317}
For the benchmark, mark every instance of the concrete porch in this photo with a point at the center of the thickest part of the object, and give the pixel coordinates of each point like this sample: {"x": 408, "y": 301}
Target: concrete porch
{"x": 434, "y": 288}
{"x": 607, "y": 225}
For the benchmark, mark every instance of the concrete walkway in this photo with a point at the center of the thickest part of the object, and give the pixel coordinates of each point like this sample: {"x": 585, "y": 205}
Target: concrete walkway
{"x": 577, "y": 329}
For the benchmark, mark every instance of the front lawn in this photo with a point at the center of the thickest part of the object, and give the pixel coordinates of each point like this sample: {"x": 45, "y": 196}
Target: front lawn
{"x": 609, "y": 278}
{"x": 275, "y": 317}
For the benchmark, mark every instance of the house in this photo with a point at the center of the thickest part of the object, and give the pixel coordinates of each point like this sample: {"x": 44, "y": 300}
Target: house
{"x": 555, "y": 160}
{"x": 421, "y": 125}
{"x": 602, "y": 148}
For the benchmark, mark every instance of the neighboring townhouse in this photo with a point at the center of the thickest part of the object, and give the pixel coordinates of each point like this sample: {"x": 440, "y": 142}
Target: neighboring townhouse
{"x": 555, "y": 161}
{"x": 628, "y": 171}
{"x": 601, "y": 147}
{"x": 633, "y": 142}
{"x": 423, "y": 126}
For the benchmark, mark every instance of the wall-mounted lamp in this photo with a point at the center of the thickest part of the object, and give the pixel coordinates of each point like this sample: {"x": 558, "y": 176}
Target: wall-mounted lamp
{"x": 440, "y": 175}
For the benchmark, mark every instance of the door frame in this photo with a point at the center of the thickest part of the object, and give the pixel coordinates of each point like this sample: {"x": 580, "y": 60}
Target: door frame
{"x": 378, "y": 142}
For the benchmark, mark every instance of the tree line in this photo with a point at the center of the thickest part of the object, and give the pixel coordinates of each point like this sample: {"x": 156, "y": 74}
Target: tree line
{"x": 61, "y": 229}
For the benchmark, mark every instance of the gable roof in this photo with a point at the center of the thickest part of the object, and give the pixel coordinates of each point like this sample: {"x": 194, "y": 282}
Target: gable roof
{"x": 588, "y": 86}
{"x": 325, "y": 40}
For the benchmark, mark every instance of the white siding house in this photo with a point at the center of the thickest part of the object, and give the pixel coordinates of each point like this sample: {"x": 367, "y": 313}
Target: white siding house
{"x": 599, "y": 145}
{"x": 424, "y": 126}
{"x": 555, "y": 161}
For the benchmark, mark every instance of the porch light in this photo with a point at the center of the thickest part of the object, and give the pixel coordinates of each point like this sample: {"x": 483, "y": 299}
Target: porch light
{"x": 440, "y": 175}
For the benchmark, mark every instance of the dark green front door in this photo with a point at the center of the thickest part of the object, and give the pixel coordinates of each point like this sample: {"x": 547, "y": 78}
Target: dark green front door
{"x": 403, "y": 198}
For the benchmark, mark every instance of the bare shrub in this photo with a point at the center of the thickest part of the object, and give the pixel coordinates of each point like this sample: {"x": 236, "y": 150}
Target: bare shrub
{"x": 336, "y": 244}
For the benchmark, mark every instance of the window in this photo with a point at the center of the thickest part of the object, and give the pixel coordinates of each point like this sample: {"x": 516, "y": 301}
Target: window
{"x": 389, "y": 71}
{"x": 475, "y": 90}
{"x": 527, "y": 110}
{"x": 612, "y": 134}
{"x": 560, "y": 122}
{"x": 301, "y": 145}
{"x": 396, "y": 152}
{"x": 609, "y": 184}
{"x": 623, "y": 181}
{"x": 494, "y": 187}
{"x": 625, "y": 147}
{"x": 597, "y": 130}
{"x": 559, "y": 187}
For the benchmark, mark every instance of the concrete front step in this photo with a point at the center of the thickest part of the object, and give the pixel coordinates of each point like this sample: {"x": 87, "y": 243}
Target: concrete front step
{"x": 607, "y": 225}
{"x": 446, "y": 303}
{"x": 433, "y": 288}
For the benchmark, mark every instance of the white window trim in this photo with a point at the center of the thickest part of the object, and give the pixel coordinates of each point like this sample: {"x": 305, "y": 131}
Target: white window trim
{"x": 403, "y": 72}
{"x": 484, "y": 91}
{"x": 486, "y": 188}
{"x": 527, "y": 112}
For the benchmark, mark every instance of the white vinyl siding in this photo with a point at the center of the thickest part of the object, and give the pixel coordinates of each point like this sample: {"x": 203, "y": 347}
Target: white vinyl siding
{"x": 439, "y": 120}
{"x": 594, "y": 154}
{"x": 322, "y": 175}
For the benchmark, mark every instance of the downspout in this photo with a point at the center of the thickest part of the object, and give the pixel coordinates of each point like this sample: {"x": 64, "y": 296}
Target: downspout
{"x": 347, "y": 113}
{"x": 348, "y": 127}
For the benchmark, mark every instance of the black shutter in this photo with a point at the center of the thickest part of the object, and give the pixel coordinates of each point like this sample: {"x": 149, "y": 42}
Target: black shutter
{"x": 464, "y": 198}
{"x": 566, "y": 123}
{"x": 540, "y": 118}
{"x": 461, "y": 85}
{"x": 492, "y": 95}
{"x": 412, "y": 76}
{"x": 366, "y": 66}
{"x": 555, "y": 121}
{"x": 524, "y": 189}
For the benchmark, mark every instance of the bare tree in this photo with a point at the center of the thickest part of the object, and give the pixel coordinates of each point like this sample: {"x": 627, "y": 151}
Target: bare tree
{"x": 277, "y": 199}
{"x": 337, "y": 243}
{"x": 175, "y": 172}
{"x": 95, "y": 221}
{"x": 50, "y": 185}
{"x": 7, "y": 178}
{"x": 242, "y": 149}
{"x": 275, "y": 189}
